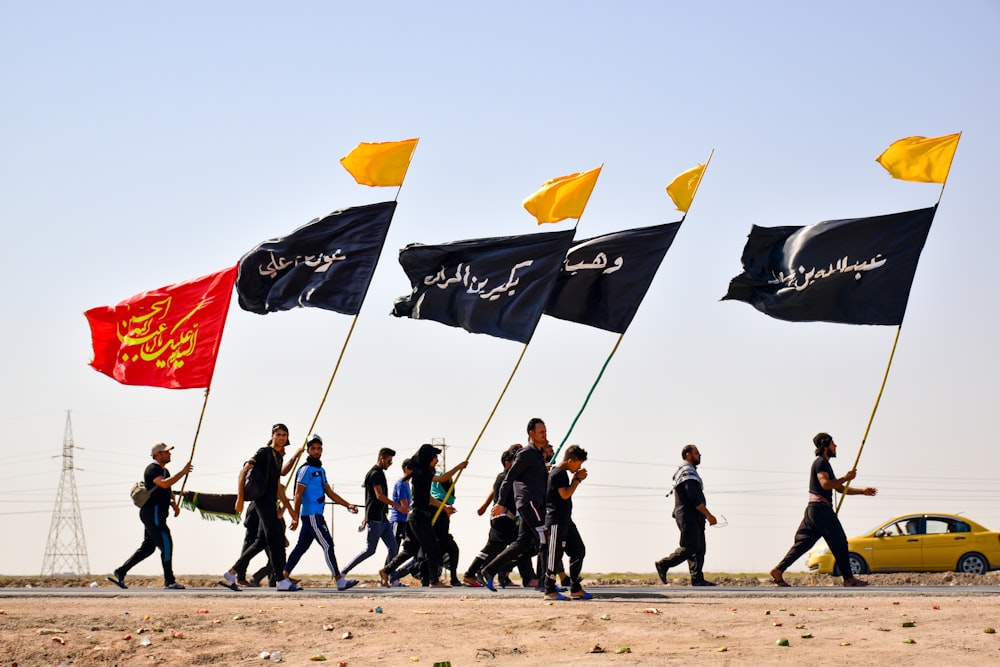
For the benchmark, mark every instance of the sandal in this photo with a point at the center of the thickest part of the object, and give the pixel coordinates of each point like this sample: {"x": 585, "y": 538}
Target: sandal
{"x": 777, "y": 579}
{"x": 852, "y": 582}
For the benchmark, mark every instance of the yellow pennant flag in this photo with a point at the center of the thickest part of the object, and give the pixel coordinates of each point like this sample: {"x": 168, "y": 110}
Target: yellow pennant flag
{"x": 563, "y": 197}
{"x": 920, "y": 159}
{"x": 380, "y": 164}
{"x": 682, "y": 188}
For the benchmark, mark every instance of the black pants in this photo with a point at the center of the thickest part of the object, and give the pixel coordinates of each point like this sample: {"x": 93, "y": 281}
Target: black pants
{"x": 564, "y": 538}
{"x": 155, "y": 536}
{"x": 419, "y": 537}
{"x": 254, "y": 541}
{"x": 526, "y": 544}
{"x": 449, "y": 547}
{"x": 692, "y": 549}
{"x": 273, "y": 529}
{"x": 820, "y": 520}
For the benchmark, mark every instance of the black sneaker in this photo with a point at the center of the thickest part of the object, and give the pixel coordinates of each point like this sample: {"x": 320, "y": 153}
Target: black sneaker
{"x": 661, "y": 571}
{"x": 174, "y": 586}
{"x": 118, "y": 580}
{"x": 702, "y": 583}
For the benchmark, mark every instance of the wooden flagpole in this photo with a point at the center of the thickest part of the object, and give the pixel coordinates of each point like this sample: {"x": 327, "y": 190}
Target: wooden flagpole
{"x": 468, "y": 456}
{"x": 298, "y": 454}
{"x": 886, "y": 375}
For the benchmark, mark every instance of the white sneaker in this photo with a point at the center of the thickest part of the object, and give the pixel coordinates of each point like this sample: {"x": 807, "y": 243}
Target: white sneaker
{"x": 287, "y": 585}
{"x": 344, "y": 583}
{"x": 229, "y": 577}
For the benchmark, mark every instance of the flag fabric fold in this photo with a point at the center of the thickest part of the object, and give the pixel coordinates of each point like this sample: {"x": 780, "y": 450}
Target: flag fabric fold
{"x": 380, "y": 164}
{"x": 920, "y": 159}
{"x": 494, "y": 286}
{"x": 563, "y": 197}
{"x": 682, "y": 188}
{"x": 855, "y": 271}
{"x": 167, "y": 337}
{"x": 327, "y": 263}
{"x": 604, "y": 279}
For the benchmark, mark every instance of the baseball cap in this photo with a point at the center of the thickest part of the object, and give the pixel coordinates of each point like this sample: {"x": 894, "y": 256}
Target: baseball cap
{"x": 314, "y": 438}
{"x": 159, "y": 447}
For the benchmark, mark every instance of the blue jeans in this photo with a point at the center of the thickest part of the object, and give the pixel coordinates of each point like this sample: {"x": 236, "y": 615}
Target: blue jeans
{"x": 377, "y": 530}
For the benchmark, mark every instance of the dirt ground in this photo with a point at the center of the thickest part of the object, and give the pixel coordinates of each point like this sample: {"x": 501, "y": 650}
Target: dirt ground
{"x": 374, "y": 626}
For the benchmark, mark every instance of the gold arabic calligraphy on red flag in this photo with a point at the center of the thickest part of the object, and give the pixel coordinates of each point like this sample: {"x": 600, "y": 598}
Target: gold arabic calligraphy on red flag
{"x": 167, "y": 337}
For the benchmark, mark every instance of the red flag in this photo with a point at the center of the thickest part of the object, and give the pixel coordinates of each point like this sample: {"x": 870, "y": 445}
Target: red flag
{"x": 167, "y": 337}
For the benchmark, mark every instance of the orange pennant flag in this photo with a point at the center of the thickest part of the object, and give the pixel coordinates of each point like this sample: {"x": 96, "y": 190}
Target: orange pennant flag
{"x": 380, "y": 164}
{"x": 920, "y": 159}
{"x": 563, "y": 197}
{"x": 682, "y": 188}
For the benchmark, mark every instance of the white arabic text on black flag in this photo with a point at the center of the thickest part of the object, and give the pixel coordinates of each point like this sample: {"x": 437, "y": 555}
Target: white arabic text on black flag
{"x": 495, "y": 286}
{"x": 605, "y": 278}
{"x": 855, "y": 271}
{"x": 327, "y": 263}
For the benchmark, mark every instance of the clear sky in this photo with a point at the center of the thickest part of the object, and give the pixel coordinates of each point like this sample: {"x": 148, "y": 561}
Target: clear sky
{"x": 144, "y": 144}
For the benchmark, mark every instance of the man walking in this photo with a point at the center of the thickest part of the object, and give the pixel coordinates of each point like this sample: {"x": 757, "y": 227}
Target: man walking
{"x": 153, "y": 515}
{"x": 563, "y": 534}
{"x": 820, "y": 519}
{"x": 311, "y": 491}
{"x": 377, "y": 505}
{"x": 526, "y": 482}
{"x": 266, "y": 466}
{"x": 690, "y": 513}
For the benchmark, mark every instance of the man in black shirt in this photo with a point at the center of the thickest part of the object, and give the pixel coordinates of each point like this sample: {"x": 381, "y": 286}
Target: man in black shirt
{"x": 153, "y": 515}
{"x": 377, "y": 504}
{"x": 820, "y": 519}
{"x": 690, "y": 513}
{"x": 266, "y": 464}
{"x": 563, "y": 534}
{"x": 503, "y": 528}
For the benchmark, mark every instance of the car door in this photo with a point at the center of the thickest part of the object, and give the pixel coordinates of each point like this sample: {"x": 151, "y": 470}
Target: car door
{"x": 895, "y": 550}
{"x": 944, "y": 543}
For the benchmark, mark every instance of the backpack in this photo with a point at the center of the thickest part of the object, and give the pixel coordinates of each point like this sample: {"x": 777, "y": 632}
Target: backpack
{"x": 253, "y": 485}
{"x": 257, "y": 479}
{"x": 140, "y": 494}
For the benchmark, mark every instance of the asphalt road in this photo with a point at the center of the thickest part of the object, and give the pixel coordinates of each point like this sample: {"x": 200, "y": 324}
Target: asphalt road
{"x": 649, "y": 594}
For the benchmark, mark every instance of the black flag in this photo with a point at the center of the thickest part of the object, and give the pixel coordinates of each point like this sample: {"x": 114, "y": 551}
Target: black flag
{"x": 856, "y": 271}
{"x": 604, "y": 279}
{"x": 327, "y": 263}
{"x": 495, "y": 286}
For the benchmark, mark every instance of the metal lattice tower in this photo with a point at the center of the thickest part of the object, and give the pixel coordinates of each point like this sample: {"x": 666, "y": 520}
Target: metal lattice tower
{"x": 439, "y": 443}
{"x": 66, "y": 549}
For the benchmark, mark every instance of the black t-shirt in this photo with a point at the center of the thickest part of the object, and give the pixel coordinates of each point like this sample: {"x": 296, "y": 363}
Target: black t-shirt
{"x": 818, "y": 466}
{"x": 420, "y": 484}
{"x": 558, "y": 510}
{"x": 159, "y": 497}
{"x": 375, "y": 509}
{"x": 267, "y": 463}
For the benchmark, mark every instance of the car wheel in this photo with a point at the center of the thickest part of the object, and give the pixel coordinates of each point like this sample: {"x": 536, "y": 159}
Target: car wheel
{"x": 858, "y": 564}
{"x": 973, "y": 563}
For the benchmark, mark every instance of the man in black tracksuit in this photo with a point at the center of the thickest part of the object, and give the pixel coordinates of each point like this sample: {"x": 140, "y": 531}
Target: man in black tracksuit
{"x": 527, "y": 478}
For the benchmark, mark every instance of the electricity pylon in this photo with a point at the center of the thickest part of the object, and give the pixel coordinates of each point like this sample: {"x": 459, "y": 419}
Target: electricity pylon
{"x": 66, "y": 549}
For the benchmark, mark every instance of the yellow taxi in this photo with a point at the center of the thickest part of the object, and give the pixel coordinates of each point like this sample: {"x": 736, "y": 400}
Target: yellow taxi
{"x": 918, "y": 543}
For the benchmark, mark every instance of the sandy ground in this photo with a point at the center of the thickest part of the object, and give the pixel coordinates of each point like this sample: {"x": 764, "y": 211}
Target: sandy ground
{"x": 473, "y": 627}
